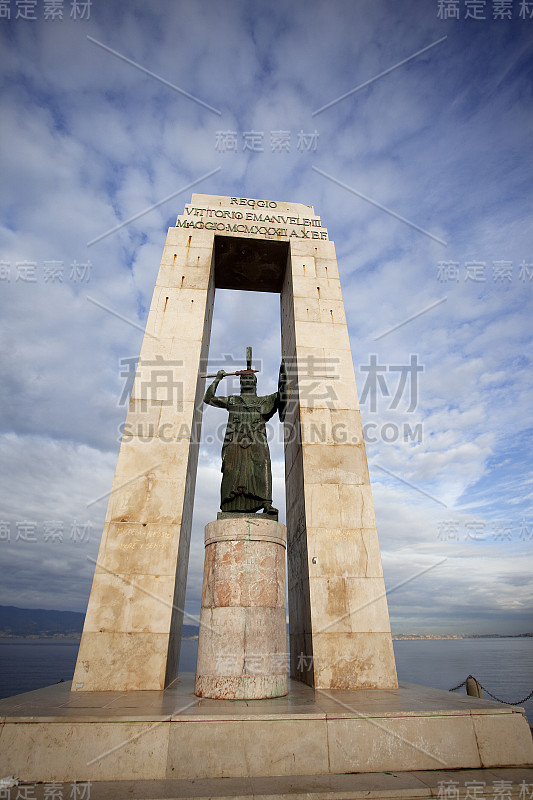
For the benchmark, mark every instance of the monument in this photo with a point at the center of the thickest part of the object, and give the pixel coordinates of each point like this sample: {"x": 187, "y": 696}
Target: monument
{"x": 338, "y": 618}
{"x": 128, "y": 715}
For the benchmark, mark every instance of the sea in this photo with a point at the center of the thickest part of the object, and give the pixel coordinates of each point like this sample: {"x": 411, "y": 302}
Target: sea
{"x": 504, "y": 666}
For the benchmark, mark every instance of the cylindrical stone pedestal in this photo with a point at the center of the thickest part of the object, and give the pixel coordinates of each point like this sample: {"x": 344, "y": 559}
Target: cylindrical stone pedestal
{"x": 243, "y": 636}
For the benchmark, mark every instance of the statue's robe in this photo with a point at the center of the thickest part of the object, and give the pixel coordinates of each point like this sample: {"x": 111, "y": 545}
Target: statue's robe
{"x": 246, "y": 473}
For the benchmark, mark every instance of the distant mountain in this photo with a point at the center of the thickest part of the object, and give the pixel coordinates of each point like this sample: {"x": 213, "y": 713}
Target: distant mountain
{"x": 46, "y": 623}
{"x": 40, "y": 622}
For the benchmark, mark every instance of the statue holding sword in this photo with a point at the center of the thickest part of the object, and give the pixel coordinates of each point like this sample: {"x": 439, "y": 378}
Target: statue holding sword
{"x": 246, "y": 471}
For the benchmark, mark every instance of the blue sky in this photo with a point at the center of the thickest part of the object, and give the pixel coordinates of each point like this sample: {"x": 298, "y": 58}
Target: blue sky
{"x": 442, "y": 141}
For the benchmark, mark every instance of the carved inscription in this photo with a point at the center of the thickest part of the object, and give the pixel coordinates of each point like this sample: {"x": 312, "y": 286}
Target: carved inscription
{"x": 271, "y": 223}
{"x": 345, "y": 533}
{"x": 143, "y": 539}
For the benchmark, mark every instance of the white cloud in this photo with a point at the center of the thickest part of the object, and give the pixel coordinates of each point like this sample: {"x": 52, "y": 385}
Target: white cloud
{"x": 443, "y": 141}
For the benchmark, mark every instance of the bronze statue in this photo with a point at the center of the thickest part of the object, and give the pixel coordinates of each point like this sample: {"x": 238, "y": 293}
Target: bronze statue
{"x": 246, "y": 471}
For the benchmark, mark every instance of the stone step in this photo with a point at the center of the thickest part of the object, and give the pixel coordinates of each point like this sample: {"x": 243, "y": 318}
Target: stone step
{"x": 488, "y": 784}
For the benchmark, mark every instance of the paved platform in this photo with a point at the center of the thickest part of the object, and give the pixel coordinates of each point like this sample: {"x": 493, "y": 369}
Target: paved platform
{"x": 496, "y": 784}
{"x": 51, "y": 734}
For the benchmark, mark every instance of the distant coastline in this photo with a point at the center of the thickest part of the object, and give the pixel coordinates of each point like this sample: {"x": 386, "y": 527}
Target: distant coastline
{"x": 33, "y": 624}
{"x": 407, "y": 636}
{"x": 49, "y": 637}
{"x": 66, "y": 626}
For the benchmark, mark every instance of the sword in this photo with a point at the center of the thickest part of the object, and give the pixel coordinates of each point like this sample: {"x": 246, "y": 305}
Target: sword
{"x": 239, "y": 372}
{"x": 247, "y": 371}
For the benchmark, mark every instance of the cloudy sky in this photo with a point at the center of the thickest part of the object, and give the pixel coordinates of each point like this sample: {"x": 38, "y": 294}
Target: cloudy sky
{"x": 409, "y": 133}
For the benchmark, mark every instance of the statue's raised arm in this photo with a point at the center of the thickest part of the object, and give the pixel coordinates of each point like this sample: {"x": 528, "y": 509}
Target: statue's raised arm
{"x": 209, "y": 397}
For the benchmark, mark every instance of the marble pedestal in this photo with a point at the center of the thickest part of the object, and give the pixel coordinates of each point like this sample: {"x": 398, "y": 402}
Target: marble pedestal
{"x": 243, "y": 636}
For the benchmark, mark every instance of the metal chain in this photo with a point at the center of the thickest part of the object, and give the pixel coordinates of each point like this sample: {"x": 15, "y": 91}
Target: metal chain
{"x": 518, "y": 702}
{"x": 458, "y": 687}
{"x": 507, "y": 703}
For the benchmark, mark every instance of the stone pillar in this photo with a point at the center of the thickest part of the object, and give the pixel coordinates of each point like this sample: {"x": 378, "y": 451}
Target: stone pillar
{"x": 132, "y": 632}
{"x": 338, "y": 617}
{"x": 243, "y": 637}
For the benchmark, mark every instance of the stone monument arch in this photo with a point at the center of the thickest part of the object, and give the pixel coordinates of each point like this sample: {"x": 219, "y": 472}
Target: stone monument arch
{"x": 338, "y": 617}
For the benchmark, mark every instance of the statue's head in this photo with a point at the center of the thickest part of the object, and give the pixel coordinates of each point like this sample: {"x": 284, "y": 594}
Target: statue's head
{"x": 248, "y": 383}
